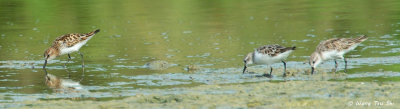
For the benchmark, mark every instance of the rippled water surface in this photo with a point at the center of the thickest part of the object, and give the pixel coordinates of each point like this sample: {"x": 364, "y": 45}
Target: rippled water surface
{"x": 164, "y": 44}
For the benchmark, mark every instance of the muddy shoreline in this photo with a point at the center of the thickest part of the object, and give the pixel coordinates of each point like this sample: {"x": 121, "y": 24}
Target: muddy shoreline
{"x": 290, "y": 94}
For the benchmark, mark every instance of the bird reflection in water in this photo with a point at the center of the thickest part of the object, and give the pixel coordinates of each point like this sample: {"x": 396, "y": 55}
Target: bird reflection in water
{"x": 63, "y": 85}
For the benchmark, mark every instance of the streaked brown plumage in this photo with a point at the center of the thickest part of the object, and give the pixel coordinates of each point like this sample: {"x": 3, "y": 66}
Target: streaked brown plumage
{"x": 273, "y": 50}
{"x": 267, "y": 55}
{"x": 339, "y": 43}
{"x": 67, "y": 44}
{"x": 66, "y": 41}
{"x": 334, "y": 48}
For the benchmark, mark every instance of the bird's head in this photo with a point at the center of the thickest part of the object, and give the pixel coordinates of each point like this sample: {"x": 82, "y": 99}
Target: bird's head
{"x": 315, "y": 60}
{"x": 248, "y": 59}
{"x": 50, "y": 53}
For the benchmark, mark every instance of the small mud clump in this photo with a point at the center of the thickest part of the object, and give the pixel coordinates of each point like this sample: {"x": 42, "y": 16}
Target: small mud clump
{"x": 193, "y": 68}
{"x": 158, "y": 65}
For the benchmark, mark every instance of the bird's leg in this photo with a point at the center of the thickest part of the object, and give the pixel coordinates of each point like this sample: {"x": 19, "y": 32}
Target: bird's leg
{"x": 345, "y": 65}
{"x": 69, "y": 58}
{"x": 312, "y": 70}
{"x": 65, "y": 65}
{"x": 284, "y": 68}
{"x": 270, "y": 73}
{"x": 81, "y": 78}
{"x": 336, "y": 65}
{"x": 83, "y": 63}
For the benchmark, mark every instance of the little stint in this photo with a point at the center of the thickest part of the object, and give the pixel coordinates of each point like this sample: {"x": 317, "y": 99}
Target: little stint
{"x": 267, "y": 55}
{"x": 334, "y": 49}
{"x": 67, "y": 44}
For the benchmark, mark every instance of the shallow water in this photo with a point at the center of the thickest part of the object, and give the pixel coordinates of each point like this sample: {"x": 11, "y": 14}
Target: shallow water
{"x": 213, "y": 35}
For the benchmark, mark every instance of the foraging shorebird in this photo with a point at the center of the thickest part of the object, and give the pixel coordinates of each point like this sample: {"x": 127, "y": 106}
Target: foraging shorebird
{"x": 67, "y": 44}
{"x": 334, "y": 49}
{"x": 267, "y": 55}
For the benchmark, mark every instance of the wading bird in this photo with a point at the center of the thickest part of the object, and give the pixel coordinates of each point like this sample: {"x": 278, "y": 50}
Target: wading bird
{"x": 67, "y": 44}
{"x": 334, "y": 49}
{"x": 267, "y": 55}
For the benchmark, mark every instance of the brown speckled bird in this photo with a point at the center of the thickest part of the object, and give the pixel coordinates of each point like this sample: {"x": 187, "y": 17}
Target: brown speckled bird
{"x": 267, "y": 55}
{"x": 67, "y": 44}
{"x": 334, "y": 48}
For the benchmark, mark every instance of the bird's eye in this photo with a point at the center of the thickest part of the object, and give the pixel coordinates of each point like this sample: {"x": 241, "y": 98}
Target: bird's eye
{"x": 313, "y": 62}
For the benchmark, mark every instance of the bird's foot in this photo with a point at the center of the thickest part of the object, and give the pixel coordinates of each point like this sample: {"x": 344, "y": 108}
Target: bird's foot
{"x": 267, "y": 75}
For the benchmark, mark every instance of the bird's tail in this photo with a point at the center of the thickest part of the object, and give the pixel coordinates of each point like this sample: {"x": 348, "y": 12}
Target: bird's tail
{"x": 294, "y": 48}
{"x": 362, "y": 38}
{"x": 290, "y": 48}
{"x": 93, "y": 32}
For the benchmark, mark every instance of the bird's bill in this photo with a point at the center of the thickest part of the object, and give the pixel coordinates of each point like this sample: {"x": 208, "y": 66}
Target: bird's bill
{"x": 44, "y": 66}
{"x": 312, "y": 70}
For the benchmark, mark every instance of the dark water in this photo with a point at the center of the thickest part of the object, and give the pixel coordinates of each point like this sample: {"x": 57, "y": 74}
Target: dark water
{"x": 213, "y": 35}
